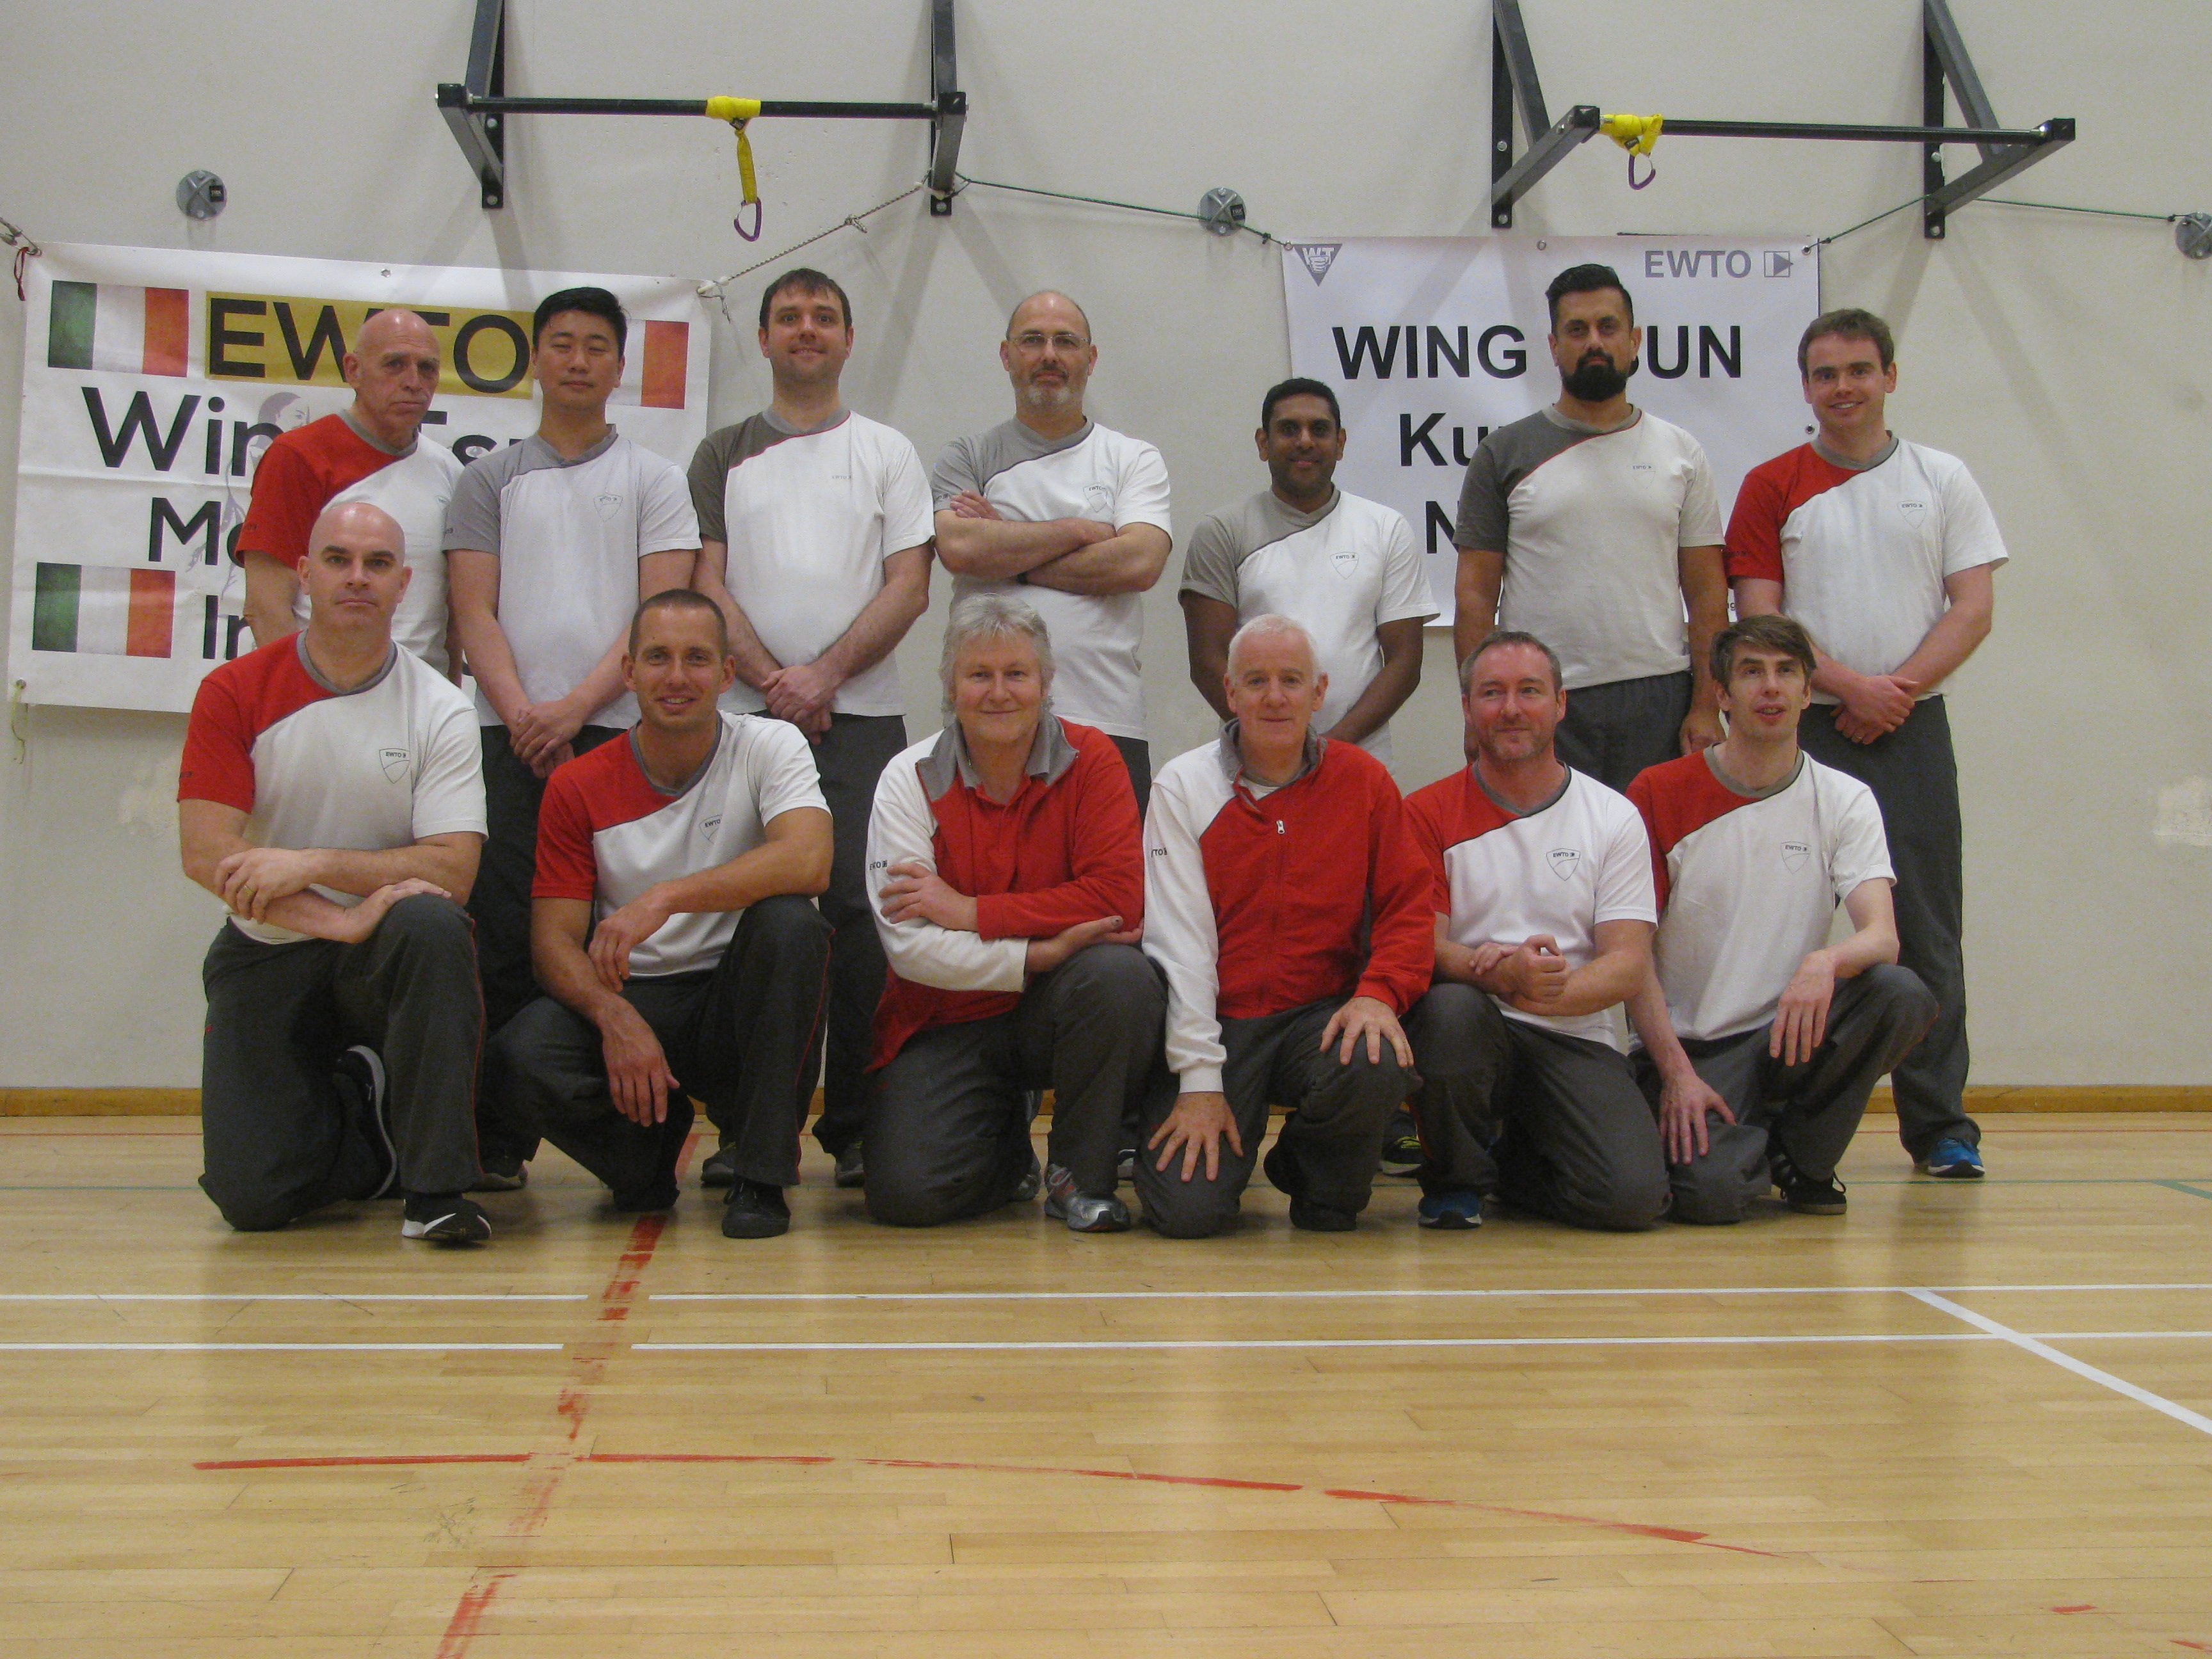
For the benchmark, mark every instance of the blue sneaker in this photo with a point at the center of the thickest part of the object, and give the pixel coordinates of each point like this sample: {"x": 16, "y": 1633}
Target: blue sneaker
{"x": 1452, "y": 1212}
{"x": 1953, "y": 1160}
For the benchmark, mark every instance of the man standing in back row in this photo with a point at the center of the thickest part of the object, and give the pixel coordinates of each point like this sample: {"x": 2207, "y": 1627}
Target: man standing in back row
{"x": 1887, "y": 553}
{"x": 1074, "y": 514}
{"x": 815, "y": 525}
{"x": 1593, "y": 524}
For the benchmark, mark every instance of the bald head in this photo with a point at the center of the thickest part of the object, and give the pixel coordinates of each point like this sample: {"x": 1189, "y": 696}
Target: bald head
{"x": 1047, "y": 356}
{"x": 353, "y": 573}
{"x": 1047, "y": 308}
{"x": 393, "y": 371}
{"x": 356, "y": 524}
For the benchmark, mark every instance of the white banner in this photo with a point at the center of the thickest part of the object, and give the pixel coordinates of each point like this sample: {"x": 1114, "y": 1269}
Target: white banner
{"x": 1432, "y": 342}
{"x": 153, "y": 380}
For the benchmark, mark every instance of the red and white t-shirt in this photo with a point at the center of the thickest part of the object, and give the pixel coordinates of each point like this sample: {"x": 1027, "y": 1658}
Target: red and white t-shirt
{"x": 327, "y": 460}
{"x": 1748, "y": 884}
{"x": 1561, "y": 870}
{"x": 607, "y": 832}
{"x": 1861, "y": 553}
{"x": 383, "y": 765}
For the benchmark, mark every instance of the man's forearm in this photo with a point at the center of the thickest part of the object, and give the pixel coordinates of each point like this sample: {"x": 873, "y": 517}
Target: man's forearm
{"x": 1654, "y": 1027}
{"x": 1129, "y": 562}
{"x": 1947, "y": 646}
{"x": 360, "y": 874}
{"x": 799, "y": 866}
{"x": 484, "y": 648}
{"x": 1383, "y": 697}
{"x": 1704, "y": 597}
{"x": 999, "y": 550}
{"x": 270, "y": 589}
{"x": 1604, "y": 980}
{"x": 567, "y": 976}
{"x": 883, "y": 620}
{"x": 1481, "y": 578}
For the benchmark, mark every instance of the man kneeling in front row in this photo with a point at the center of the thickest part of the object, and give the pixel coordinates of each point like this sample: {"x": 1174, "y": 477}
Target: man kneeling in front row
{"x": 1009, "y": 898}
{"x": 671, "y": 924}
{"x": 1762, "y": 1041}
{"x": 332, "y": 797}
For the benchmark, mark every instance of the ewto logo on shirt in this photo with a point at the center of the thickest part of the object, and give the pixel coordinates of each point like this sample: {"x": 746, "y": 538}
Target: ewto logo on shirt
{"x": 1915, "y": 513}
{"x": 609, "y": 505}
{"x": 1346, "y": 565}
{"x": 1098, "y": 501}
{"x": 1794, "y": 854}
{"x": 708, "y": 826}
{"x": 1565, "y": 861}
{"x": 394, "y": 762}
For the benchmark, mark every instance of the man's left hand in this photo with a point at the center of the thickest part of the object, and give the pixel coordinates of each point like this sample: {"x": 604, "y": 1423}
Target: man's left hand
{"x": 1800, "y": 1018}
{"x": 621, "y": 932}
{"x": 801, "y": 695}
{"x": 255, "y": 878}
{"x": 916, "y": 892}
{"x": 1368, "y": 1018}
{"x": 970, "y": 505}
{"x": 1702, "y": 730}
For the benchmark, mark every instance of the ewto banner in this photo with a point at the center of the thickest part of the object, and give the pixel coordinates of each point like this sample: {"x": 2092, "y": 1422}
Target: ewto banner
{"x": 1430, "y": 343}
{"x": 154, "y": 380}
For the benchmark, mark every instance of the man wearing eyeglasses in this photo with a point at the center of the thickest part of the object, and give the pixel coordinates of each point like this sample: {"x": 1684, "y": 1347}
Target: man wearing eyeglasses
{"x": 1073, "y": 512}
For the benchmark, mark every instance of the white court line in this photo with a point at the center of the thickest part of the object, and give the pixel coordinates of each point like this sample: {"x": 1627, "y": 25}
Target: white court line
{"x": 1399, "y": 1342}
{"x": 2195, "y": 1420}
{"x": 280, "y": 1347}
{"x": 291, "y": 1296}
{"x": 1331, "y": 1295}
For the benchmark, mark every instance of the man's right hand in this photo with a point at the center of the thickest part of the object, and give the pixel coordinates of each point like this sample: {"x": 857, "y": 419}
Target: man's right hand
{"x": 1873, "y": 705}
{"x": 359, "y": 919}
{"x": 1534, "y": 976}
{"x": 1684, "y": 1100}
{"x": 541, "y": 731}
{"x": 1046, "y": 954}
{"x": 1196, "y": 1129}
{"x": 637, "y": 1071}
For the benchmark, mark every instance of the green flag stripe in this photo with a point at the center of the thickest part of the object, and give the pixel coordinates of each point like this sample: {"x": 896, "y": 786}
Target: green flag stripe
{"x": 53, "y": 608}
{"x": 69, "y": 330}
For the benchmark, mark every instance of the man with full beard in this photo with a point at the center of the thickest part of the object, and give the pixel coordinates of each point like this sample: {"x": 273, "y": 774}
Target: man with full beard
{"x": 1593, "y": 525}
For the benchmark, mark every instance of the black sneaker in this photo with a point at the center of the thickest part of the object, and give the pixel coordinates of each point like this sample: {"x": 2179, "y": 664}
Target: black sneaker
{"x": 1401, "y": 1146}
{"x": 444, "y": 1218}
{"x": 1309, "y": 1217}
{"x": 1802, "y": 1193}
{"x": 851, "y": 1171}
{"x": 658, "y": 1194}
{"x": 755, "y": 1209}
{"x": 360, "y": 1066}
{"x": 721, "y": 1168}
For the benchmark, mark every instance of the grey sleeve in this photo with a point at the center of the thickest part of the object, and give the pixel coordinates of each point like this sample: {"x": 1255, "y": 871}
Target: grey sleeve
{"x": 472, "y": 513}
{"x": 957, "y": 471}
{"x": 1483, "y": 518}
{"x": 1210, "y": 562}
{"x": 709, "y": 477}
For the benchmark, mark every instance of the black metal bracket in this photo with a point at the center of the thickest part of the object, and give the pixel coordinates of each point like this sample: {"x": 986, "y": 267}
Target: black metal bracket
{"x": 476, "y": 110}
{"x": 1946, "y": 70}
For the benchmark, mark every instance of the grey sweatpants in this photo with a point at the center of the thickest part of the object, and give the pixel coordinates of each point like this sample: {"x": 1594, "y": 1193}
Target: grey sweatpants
{"x": 948, "y": 1127}
{"x": 1333, "y": 1138}
{"x": 279, "y": 1136}
{"x": 1915, "y": 782}
{"x": 744, "y": 1037}
{"x": 1549, "y": 1122}
{"x": 1613, "y": 732}
{"x": 1812, "y": 1108}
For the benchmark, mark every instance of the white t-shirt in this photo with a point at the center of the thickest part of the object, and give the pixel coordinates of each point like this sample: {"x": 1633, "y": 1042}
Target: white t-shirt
{"x": 1561, "y": 870}
{"x": 809, "y": 519}
{"x": 1093, "y": 473}
{"x": 606, "y": 832}
{"x": 1750, "y": 884}
{"x": 568, "y": 535}
{"x": 1592, "y": 525}
{"x": 1340, "y": 573}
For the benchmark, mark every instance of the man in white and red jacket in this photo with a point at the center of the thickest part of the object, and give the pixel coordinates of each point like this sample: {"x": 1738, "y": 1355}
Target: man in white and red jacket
{"x": 1290, "y": 909}
{"x": 1004, "y": 853}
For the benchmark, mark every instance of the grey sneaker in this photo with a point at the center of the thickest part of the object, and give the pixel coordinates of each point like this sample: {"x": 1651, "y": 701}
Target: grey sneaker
{"x": 852, "y": 1171}
{"x": 1026, "y": 1188}
{"x": 1081, "y": 1211}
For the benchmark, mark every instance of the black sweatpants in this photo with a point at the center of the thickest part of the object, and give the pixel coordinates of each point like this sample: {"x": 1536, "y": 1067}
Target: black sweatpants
{"x": 279, "y": 1136}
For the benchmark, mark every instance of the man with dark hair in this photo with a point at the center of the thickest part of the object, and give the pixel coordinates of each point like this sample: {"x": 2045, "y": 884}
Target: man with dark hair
{"x": 671, "y": 929}
{"x": 331, "y": 797}
{"x": 1887, "y": 552}
{"x": 1593, "y": 524}
{"x": 550, "y": 545}
{"x": 815, "y": 528}
{"x": 1761, "y": 1041}
{"x": 1345, "y": 569}
{"x": 1542, "y": 882}
{"x": 1052, "y": 502}
{"x": 372, "y": 451}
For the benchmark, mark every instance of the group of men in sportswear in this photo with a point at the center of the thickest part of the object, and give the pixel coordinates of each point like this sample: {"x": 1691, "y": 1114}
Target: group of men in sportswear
{"x": 688, "y": 851}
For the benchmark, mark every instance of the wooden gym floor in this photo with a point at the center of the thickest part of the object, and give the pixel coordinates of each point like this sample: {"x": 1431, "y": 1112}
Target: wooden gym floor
{"x": 1965, "y": 1420}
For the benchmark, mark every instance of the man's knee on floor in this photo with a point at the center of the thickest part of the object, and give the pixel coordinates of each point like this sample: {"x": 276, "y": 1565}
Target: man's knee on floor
{"x": 1706, "y": 1196}
{"x": 250, "y": 1211}
{"x": 1621, "y": 1201}
{"x": 900, "y": 1194}
{"x": 1190, "y": 1215}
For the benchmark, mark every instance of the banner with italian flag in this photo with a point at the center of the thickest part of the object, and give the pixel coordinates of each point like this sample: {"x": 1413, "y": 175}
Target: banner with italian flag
{"x": 155, "y": 380}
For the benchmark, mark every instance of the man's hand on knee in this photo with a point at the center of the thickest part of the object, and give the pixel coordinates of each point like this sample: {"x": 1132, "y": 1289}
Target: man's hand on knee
{"x": 1195, "y": 1129}
{"x": 362, "y": 920}
{"x": 638, "y": 1077}
{"x": 1368, "y": 1018}
{"x": 1684, "y": 1100}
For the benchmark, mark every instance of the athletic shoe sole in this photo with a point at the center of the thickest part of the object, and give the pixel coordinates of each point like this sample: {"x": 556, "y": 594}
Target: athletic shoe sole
{"x": 453, "y": 1227}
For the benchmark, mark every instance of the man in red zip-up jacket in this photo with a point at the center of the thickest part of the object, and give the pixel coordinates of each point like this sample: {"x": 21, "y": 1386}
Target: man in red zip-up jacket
{"x": 1290, "y": 909}
{"x": 1004, "y": 851}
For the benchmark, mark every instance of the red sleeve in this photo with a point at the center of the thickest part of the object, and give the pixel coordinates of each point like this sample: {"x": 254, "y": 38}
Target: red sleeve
{"x": 1429, "y": 842}
{"x": 287, "y": 493}
{"x": 1106, "y": 858}
{"x": 1641, "y": 795}
{"x": 218, "y": 763}
{"x": 1402, "y": 952}
{"x": 565, "y": 866}
{"x": 1754, "y": 531}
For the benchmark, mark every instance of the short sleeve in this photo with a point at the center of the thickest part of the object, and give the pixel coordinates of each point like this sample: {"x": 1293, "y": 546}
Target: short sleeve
{"x": 1142, "y": 497}
{"x": 566, "y": 867}
{"x": 280, "y": 512}
{"x": 1483, "y": 519}
{"x": 472, "y": 514}
{"x": 665, "y": 522}
{"x": 784, "y": 777}
{"x": 1209, "y": 562}
{"x": 1970, "y": 529}
{"x": 1754, "y": 531}
{"x": 908, "y": 517}
{"x": 1701, "y": 505}
{"x": 708, "y": 482}
{"x": 218, "y": 760}
{"x": 1405, "y": 582}
{"x": 1861, "y": 851}
{"x": 449, "y": 790}
{"x": 1623, "y": 889}
{"x": 956, "y": 472}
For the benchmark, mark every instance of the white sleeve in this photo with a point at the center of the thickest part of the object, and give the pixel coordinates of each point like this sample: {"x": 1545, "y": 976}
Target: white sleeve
{"x": 1701, "y": 503}
{"x": 1405, "y": 583}
{"x": 908, "y": 518}
{"x": 665, "y": 517}
{"x": 1180, "y": 936}
{"x": 1623, "y": 889}
{"x": 784, "y": 777}
{"x": 1141, "y": 495}
{"x": 1858, "y": 849}
{"x": 1970, "y": 529}
{"x": 899, "y": 831}
{"x": 449, "y": 790}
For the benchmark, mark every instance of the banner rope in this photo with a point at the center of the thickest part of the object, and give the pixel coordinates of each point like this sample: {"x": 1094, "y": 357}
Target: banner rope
{"x": 2007, "y": 201}
{"x": 1102, "y": 201}
{"x": 26, "y": 251}
{"x": 713, "y": 290}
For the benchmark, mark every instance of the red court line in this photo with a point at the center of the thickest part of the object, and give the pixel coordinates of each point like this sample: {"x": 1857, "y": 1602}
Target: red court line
{"x": 476, "y": 1600}
{"x": 362, "y": 1462}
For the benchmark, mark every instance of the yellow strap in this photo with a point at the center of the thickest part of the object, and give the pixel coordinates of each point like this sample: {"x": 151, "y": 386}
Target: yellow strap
{"x": 1636, "y": 134}
{"x": 737, "y": 112}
